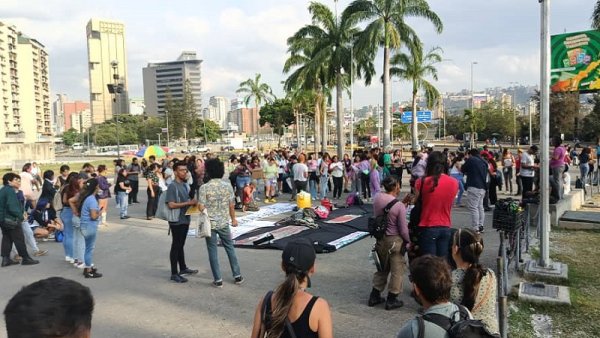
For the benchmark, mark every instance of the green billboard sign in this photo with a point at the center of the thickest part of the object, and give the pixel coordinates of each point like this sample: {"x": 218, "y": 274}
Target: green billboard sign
{"x": 575, "y": 63}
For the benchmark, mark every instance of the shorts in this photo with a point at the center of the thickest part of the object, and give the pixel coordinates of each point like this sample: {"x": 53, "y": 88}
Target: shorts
{"x": 270, "y": 182}
{"x": 281, "y": 177}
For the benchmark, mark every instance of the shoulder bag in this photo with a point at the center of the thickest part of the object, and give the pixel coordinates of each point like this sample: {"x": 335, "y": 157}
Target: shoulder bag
{"x": 164, "y": 212}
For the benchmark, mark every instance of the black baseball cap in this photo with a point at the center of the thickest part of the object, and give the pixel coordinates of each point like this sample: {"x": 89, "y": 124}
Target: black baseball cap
{"x": 300, "y": 254}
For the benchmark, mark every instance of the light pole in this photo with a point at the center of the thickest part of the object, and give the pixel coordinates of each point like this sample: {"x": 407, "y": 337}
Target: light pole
{"x": 544, "y": 259}
{"x": 472, "y": 102}
{"x": 472, "y": 96}
{"x": 513, "y": 106}
{"x": 168, "y": 138}
{"x": 115, "y": 65}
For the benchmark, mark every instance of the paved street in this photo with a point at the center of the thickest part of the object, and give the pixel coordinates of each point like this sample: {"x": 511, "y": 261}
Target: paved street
{"x": 136, "y": 299}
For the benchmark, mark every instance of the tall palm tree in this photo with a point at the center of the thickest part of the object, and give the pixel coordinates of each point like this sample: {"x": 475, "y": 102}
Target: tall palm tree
{"x": 596, "y": 16}
{"x": 260, "y": 92}
{"x": 415, "y": 67}
{"x": 325, "y": 46}
{"x": 387, "y": 28}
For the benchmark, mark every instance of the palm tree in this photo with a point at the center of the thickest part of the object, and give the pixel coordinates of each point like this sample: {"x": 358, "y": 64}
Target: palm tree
{"x": 596, "y": 16}
{"x": 387, "y": 28}
{"x": 322, "y": 51}
{"x": 260, "y": 92}
{"x": 414, "y": 67}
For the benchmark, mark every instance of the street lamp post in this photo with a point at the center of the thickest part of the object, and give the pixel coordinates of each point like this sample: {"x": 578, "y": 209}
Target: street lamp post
{"x": 115, "y": 65}
{"x": 514, "y": 109}
{"x": 472, "y": 101}
{"x": 168, "y": 131}
{"x": 472, "y": 96}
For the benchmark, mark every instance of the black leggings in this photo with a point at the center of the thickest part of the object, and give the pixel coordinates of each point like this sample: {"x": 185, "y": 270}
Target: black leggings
{"x": 152, "y": 201}
{"x": 338, "y": 183}
{"x": 366, "y": 185}
{"x": 179, "y": 234}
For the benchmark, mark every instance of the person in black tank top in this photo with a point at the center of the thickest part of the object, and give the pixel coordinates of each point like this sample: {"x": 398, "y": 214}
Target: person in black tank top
{"x": 287, "y": 311}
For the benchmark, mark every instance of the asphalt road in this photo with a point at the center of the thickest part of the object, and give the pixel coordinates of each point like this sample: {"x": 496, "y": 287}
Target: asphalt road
{"x": 136, "y": 299}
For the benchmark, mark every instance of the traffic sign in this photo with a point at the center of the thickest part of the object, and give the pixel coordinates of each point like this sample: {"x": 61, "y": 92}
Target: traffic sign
{"x": 422, "y": 116}
{"x": 164, "y": 130}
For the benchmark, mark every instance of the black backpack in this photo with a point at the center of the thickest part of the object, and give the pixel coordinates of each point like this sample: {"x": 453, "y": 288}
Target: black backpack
{"x": 378, "y": 224}
{"x": 463, "y": 328}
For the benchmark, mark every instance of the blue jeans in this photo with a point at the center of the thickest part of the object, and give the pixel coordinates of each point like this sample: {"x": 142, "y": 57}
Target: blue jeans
{"x": 213, "y": 257}
{"x": 78, "y": 240}
{"x": 123, "y": 202}
{"x": 89, "y": 234}
{"x": 584, "y": 169}
{"x": 313, "y": 188}
{"x": 323, "y": 182}
{"x": 66, "y": 216}
{"x": 435, "y": 241}
{"x": 461, "y": 187}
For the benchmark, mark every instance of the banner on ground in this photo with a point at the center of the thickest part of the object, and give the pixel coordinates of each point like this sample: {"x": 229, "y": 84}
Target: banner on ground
{"x": 575, "y": 62}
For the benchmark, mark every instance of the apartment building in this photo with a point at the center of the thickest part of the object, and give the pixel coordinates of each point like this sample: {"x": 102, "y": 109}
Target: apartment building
{"x": 24, "y": 88}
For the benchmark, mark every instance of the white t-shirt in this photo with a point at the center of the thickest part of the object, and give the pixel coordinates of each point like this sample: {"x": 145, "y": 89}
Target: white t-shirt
{"x": 299, "y": 169}
{"x": 26, "y": 185}
{"x": 337, "y": 169}
{"x": 526, "y": 160}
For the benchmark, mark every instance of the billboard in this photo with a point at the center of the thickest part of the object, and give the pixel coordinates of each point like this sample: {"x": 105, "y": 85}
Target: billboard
{"x": 422, "y": 116}
{"x": 575, "y": 62}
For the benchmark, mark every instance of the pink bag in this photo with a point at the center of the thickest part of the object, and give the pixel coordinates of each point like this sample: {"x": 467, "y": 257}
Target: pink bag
{"x": 327, "y": 204}
{"x": 322, "y": 212}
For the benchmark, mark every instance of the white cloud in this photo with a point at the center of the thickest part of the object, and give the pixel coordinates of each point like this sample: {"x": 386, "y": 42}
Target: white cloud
{"x": 237, "y": 39}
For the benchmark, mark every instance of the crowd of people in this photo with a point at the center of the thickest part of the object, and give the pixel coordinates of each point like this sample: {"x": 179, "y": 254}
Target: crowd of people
{"x": 444, "y": 268}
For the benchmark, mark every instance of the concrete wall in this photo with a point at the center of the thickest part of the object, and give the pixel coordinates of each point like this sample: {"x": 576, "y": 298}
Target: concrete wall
{"x": 15, "y": 155}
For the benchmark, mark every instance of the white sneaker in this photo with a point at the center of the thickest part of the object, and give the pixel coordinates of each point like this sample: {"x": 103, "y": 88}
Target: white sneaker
{"x": 69, "y": 260}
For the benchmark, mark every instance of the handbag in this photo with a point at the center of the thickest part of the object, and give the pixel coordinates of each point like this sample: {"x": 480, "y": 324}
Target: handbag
{"x": 204, "y": 226}
{"x": 164, "y": 212}
{"x": 11, "y": 223}
{"x": 415, "y": 216}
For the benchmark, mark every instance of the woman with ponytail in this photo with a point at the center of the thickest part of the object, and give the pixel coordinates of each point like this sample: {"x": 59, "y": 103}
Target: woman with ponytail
{"x": 473, "y": 285}
{"x": 290, "y": 311}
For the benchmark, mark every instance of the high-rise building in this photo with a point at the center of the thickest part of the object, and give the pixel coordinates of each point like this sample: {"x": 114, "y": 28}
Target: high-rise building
{"x": 164, "y": 79}
{"x": 24, "y": 88}
{"x": 219, "y": 113}
{"x": 107, "y": 64}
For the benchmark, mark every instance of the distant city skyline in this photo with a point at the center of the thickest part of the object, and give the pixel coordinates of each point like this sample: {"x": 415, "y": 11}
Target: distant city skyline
{"x": 237, "y": 39}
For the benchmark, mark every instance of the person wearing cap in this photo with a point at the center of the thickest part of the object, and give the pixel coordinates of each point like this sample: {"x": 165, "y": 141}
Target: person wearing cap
{"x": 290, "y": 307}
{"x": 528, "y": 167}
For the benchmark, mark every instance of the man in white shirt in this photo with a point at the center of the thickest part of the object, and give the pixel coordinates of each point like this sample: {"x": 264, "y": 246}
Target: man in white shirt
{"x": 528, "y": 168}
{"x": 300, "y": 171}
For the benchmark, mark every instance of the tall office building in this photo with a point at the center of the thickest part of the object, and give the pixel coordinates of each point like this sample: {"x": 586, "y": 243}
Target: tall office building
{"x": 106, "y": 58}
{"x": 24, "y": 89}
{"x": 169, "y": 78}
{"x": 220, "y": 107}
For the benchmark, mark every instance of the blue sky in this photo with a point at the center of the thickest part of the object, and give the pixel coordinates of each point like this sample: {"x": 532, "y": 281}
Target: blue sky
{"x": 238, "y": 38}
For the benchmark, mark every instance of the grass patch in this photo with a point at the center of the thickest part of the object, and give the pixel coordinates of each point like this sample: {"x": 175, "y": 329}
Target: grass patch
{"x": 580, "y": 251}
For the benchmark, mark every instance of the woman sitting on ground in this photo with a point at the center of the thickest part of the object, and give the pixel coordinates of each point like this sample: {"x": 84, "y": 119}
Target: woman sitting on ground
{"x": 473, "y": 285}
{"x": 46, "y": 219}
{"x": 290, "y": 307}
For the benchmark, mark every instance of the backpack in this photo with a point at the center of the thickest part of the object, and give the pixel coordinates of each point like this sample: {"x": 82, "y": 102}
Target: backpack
{"x": 57, "y": 203}
{"x": 378, "y": 224}
{"x": 462, "y": 328}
